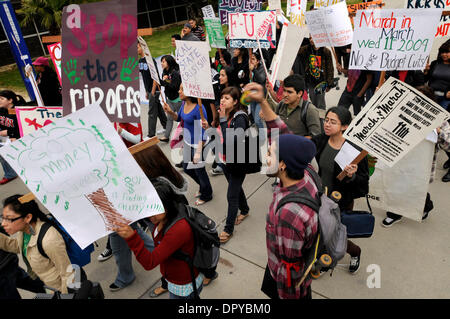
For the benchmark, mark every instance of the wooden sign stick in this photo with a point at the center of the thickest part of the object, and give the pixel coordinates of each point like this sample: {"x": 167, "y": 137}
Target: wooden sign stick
{"x": 133, "y": 150}
{"x": 199, "y": 100}
{"x": 358, "y": 159}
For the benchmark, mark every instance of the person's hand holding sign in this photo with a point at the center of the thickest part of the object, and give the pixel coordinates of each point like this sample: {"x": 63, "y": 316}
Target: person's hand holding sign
{"x": 350, "y": 170}
{"x": 123, "y": 230}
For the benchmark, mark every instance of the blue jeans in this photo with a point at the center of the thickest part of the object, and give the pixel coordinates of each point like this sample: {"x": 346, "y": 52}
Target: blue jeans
{"x": 255, "y": 108}
{"x": 191, "y": 296}
{"x": 9, "y": 172}
{"x": 122, "y": 254}
{"x": 444, "y": 102}
{"x": 199, "y": 175}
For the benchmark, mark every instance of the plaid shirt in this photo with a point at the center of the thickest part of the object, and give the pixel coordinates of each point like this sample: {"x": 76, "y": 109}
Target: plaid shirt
{"x": 289, "y": 230}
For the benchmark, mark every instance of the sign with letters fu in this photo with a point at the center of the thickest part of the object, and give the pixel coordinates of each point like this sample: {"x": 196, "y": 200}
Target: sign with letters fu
{"x": 99, "y": 60}
{"x": 396, "y": 119}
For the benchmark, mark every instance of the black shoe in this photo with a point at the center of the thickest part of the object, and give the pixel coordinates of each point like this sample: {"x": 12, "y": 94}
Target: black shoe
{"x": 447, "y": 164}
{"x": 179, "y": 165}
{"x": 446, "y": 177}
{"x": 354, "y": 264}
{"x": 389, "y": 221}
{"x": 164, "y": 139}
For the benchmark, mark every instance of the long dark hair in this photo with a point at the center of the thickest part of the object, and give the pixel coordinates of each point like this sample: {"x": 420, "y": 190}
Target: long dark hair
{"x": 171, "y": 63}
{"x": 232, "y": 81}
{"x": 16, "y": 99}
{"x": 168, "y": 199}
{"x": 24, "y": 209}
{"x": 235, "y": 93}
{"x": 444, "y": 48}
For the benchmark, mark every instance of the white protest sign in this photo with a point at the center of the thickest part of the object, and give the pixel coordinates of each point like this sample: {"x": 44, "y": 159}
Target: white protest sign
{"x": 403, "y": 188}
{"x": 393, "y": 39}
{"x": 444, "y": 25}
{"x": 290, "y": 41}
{"x": 346, "y": 155}
{"x": 325, "y": 3}
{"x": 394, "y": 121}
{"x": 247, "y": 27}
{"x": 149, "y": 59}
{"x": 208, "y": 12}
{"x": 31, "y": 118}
{"x": 274, "y": 4}
{"x": 79, "y": 168}
{"x": 195, "y": 69}
{"x": 297, "y": 9}
{"x": 330, "y": 26}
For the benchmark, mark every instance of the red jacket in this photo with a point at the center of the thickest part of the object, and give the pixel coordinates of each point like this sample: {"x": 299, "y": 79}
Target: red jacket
{"x": 179, "y": 236}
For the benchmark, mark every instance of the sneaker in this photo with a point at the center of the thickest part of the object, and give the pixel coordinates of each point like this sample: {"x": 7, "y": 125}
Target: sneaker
{"x": 354, "y": 264}
{"x": 114, "y": 287}
{"x": 6, "y": 180}
{"x": 388, "y": 221}
{"x": 445, "y": 178}
{"x": 447, "y": 164}
{"x": 105, "y": 255}
{"x": 179, "y": 165}
{"x": 160, "y": 132}
{"x": 217, "y": 171}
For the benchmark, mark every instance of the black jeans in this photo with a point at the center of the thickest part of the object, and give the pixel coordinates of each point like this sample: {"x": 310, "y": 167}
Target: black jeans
{"x": 198, "y": 174}
{"x": 155, "y": 111}
{"x": 236, "y": 198}
{"x": 349, "y": 98}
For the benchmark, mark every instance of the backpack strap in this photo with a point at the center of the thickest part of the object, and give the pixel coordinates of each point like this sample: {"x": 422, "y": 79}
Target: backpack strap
{"x": 42, "y": 232}
{"x": 304, "y": 112}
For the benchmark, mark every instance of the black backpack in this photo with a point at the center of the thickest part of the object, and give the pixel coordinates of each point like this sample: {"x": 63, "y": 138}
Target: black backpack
{"x": 206, "y": 240}
{"x": 304, "y": 114}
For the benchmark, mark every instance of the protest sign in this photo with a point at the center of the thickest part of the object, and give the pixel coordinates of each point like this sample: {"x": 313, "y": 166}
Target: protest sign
{"x": 79, "y": 168}
{"x": 274, "y": 4}
{"x": 394, "y": 121}
{"x": 149, "y": 59}
{"x": 376, "y": 4}
{"x": 55, "y": 55}
{"x": 325, "y": 3}
{"x": 208, "y": 12}
{"x": 99, "y": 59}
{"x": 290, "y": 41}
{"x": 230, "y": 6}
{"x": 297, "y": 9}
{"x": 195, "y": 70}
{"x": 444, "y": 25}
{"x": 31, "y": 118}
{"x": 215, "y": 33}
{"x": 393, "y": 39}
{"x": 246, "y": 28}
{"x": 403, "y": 188}
{"x": 330, "y": 26}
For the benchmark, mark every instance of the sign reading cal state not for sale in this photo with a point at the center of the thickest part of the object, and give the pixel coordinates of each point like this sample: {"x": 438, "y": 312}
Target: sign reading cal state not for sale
{"x": 394, "y": 121}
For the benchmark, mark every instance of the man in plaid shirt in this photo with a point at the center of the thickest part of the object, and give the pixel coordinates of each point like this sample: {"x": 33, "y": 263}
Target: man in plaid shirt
{"x": 293, "y": 228}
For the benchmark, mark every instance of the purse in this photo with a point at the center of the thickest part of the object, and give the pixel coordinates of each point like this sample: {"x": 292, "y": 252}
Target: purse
{"x": 360, "y": 224}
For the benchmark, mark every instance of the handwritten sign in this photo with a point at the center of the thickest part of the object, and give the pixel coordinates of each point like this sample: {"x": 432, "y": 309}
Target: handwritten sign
{"x": 352, "y": 8}
{"x": 195, "y": 69}
{"x": 81, "y": 171}
{"x": 444, "y": 25}
{"x": 230, "y": 6}
{"x": 274, "y": 4}
{"x": 208, "y": 12}
{"x": 325, "y": 3}
{"x": 297, "y": 9}
{"x": 395, "y": 39}
{"x": 394, "y": 121}
{"x": 330, "y": 26}
{"x": 55, "y": 55}
{"x": 99, "y": 62}
{"x": 32, "y": 118}
{"x": 246, "y": 28}
{"x": 215, "y": 33}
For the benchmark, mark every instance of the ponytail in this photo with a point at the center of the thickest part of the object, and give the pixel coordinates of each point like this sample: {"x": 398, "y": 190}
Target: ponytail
{"x": 24, "y": 209}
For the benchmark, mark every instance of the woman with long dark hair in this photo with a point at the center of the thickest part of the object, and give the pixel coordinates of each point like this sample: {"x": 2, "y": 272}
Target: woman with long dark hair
{"x": 171, "y": 81}
{"x": 240, "y": 64}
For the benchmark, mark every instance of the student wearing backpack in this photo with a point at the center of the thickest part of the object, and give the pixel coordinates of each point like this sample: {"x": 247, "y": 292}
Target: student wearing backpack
{"x": 27, "y": 220}
{"x": 356, "y": 182}
{"x": 291, "y": 229}
{"x": 167, "y": 241}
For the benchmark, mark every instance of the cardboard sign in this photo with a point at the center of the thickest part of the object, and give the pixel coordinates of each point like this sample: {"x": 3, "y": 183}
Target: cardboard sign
{"x": 215, "y": 33}
{"x": 246, "y": 28}
{"x": 230, "y": 6}
{"x": 297, "y": 10}
{"x": 444, "y": 25}
{"x": 81, "y": 171}
{"x": 330, "y": 26}
{"x": 290, "y": 41}
{"x": 394, "y": 39}
{"x": 195, "y": 69}
{"x": 208, "y": 12}
{"x": 394, "y": 121}
{"x": 55, "y": 55}
{"x": 32, "y": 118}
{"x": 149, "y": 59}
{"x": 99, "y": 62}
{"x": 325, "y": 3}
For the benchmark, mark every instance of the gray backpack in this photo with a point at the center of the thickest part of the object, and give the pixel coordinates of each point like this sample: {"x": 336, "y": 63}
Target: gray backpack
{"x": 330, "y": 244}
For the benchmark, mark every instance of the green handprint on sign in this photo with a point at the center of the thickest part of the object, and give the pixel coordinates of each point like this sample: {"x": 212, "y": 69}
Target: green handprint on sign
{"x": 127, "y": 68}
{"x": 71, "y": 72}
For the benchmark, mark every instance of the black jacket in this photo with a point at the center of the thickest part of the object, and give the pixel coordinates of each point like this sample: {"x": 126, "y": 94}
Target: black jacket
{"x": 9, "y": 122}
{"x": 173, "y": 85}
{"x": 350, "y": 188}
{"x": 7, "y": 258}
{"x": 50, "y": 88}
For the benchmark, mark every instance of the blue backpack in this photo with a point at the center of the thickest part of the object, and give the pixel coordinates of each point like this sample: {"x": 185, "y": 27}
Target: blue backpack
{"x": 77, "y": 256}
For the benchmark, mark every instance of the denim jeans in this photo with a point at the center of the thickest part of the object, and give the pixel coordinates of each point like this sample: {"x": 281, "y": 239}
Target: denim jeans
{"x": 122, "y": 254}
{"x": 175, "y": 106}
{"x": 9, "y": 172}
{"x": 191, "y": 296}
{"x": 236, "y": 198}
{"x": 199, "y": 175}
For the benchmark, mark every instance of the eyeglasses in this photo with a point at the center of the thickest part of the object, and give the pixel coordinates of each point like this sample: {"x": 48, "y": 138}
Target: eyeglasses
{"x": 9, "y": 220}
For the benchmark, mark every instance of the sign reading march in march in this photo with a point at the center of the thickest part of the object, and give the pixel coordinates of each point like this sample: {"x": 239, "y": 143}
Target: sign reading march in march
{"x": 396, "y": 39}
{"x": 81, "y": 171}
{"x": 245, "y": 29}
{"x": 394, "y": 121}
{"x": 195, "y": 70}
{"x": 444, "y": 26}
{"x": 229, "y": 6}
{"x": 99, "y": 60}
